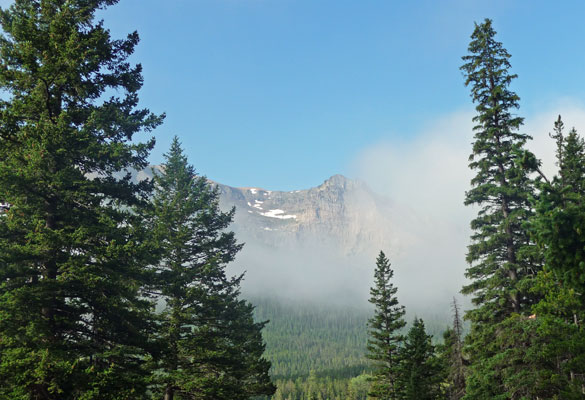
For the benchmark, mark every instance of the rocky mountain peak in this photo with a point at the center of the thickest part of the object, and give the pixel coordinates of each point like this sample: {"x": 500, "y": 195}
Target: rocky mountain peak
{"x": 336, "y": 180}
{"x": 340, "y": 213}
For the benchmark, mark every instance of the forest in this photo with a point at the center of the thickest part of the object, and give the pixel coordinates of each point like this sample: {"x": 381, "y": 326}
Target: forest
{"x": 116, "y": 289}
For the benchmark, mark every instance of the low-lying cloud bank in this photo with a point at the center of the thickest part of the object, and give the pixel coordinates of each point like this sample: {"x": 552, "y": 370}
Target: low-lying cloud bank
{"x": 428, "y": 177}
{"x": 425, "y": 179}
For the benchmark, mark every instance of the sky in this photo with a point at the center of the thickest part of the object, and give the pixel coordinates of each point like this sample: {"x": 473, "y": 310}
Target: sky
{"x": 282, "y": 94}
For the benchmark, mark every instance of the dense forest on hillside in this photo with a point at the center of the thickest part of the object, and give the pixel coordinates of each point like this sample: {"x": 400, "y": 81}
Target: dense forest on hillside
{"x": 328, "y": 339}
{"x": 316, "y": 350}
{"x": 303, "y": 337}
{"x": 319, "y": 347}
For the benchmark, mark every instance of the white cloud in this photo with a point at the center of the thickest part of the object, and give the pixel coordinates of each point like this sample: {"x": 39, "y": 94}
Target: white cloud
{"x": 429, "y": 172}
{"x": 428, "y": 177}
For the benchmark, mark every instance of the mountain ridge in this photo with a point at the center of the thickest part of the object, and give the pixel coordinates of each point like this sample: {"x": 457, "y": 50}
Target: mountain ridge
{"x": 340, "y": 212}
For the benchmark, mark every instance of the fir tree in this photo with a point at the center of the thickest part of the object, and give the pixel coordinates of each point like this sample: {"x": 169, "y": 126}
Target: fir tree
{"x": 451, "y": 354}
{"x": 384, "y": 331}
{"x": 503, "y": 260}
{"x": 557, "y": 228}
{"x": 500, "y": 251}
{"x": 421, "y": 372}
{"x": 212, "y": 346}
{"x": 72, "y": 322}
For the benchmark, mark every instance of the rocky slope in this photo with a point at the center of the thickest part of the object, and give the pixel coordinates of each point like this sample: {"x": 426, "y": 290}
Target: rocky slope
{"x": 318, "y": 243}
{"x": 340, "y": 214}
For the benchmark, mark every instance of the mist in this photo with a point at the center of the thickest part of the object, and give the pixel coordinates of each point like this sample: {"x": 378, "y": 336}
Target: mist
{"x": 422, "y": 185}
{"x": 429, "y": 177}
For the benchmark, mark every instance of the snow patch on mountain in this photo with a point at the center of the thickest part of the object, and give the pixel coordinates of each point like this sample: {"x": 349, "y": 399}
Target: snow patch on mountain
{"x": 277, "y": 214}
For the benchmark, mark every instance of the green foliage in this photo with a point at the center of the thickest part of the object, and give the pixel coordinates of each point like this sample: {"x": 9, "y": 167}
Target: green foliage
{"x": 450, "y": 353}
{"x": 531, "y": 360}
{"x": 359, "y": 387}
{"x": 421, "y": 372}
{"x": 559, "y": 224}
{"x": 385, "y": 337}
{"x": 212, "y": 348}
{"x": 325, "y": 388}
{"x": 501, "y": 254}
{"x": 73, "y": 324}
{"x": 557, "y": 228}
{"x": 327, "y": 341}
{"x": 503, "y": 260}
{"x": 302, "y": 337}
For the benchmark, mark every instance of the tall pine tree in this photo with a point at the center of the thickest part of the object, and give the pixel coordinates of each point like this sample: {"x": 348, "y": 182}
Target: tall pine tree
{"x": 384, "y": 331}
{"x": 503, "y": 260}
{"x": 72, "y": 322}
{"x": 212, "y": 348}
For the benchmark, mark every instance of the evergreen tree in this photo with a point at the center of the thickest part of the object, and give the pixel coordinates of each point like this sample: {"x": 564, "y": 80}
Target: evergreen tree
{"x": 384, "y": 331}
{"x": 500, "y": 253}
{"x": 72, "y": 322}
{"x": 557, "y": 228}
{"x": 503, "y": 260}
{"x": 421, "y": 372}
{"x": 451, "y": 355}
{"x": 212, "y": 346}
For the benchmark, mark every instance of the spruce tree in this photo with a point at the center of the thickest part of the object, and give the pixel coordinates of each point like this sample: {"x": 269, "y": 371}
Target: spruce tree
{"x": 72, "y": 322}
{"x": 452, "y": 358}
{"x": 558, "y": 225}
{"x": 500, "y": 253}
{"x": 384, "y": 330}
{"x": 421, "y": 372}
{"x": 503, "y": 260}
{"x": 212, "y": 348}
{"x": 558, "y": 229}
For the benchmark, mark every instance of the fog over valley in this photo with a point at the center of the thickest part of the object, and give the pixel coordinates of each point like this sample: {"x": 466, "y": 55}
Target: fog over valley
{"x": 320, "y": 245}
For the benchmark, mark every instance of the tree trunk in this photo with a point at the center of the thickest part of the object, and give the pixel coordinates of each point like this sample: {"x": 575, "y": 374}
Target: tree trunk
{"x": 169, "y": 393}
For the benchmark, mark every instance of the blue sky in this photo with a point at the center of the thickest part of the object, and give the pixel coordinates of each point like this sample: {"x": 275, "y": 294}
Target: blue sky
{"x": 282, "y": 94}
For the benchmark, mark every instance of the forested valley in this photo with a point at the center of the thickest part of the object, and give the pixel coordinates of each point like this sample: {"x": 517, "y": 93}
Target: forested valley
{"x": 318, "y": 351}
{"x": 117, "y": 289}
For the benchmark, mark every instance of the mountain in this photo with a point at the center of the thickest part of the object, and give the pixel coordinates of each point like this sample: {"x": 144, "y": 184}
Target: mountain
{"x": 319, "y": 243}
{"x": 341, "y": 214}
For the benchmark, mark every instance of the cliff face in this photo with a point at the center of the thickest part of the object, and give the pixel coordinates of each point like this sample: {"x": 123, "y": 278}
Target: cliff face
{"x": 340, "y": 214}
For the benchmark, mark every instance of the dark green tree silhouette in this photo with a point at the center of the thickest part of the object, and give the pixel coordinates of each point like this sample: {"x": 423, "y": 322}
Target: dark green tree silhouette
{"x": 503, "y": 259}
{"x": 72, "y": 322}
{"x": 421, "y": 372}
{"x": 212, "y": 348}
{"x": 558, "y": 226}
{"x": 384, "y": 330}
{"x": 557, "y": 322}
